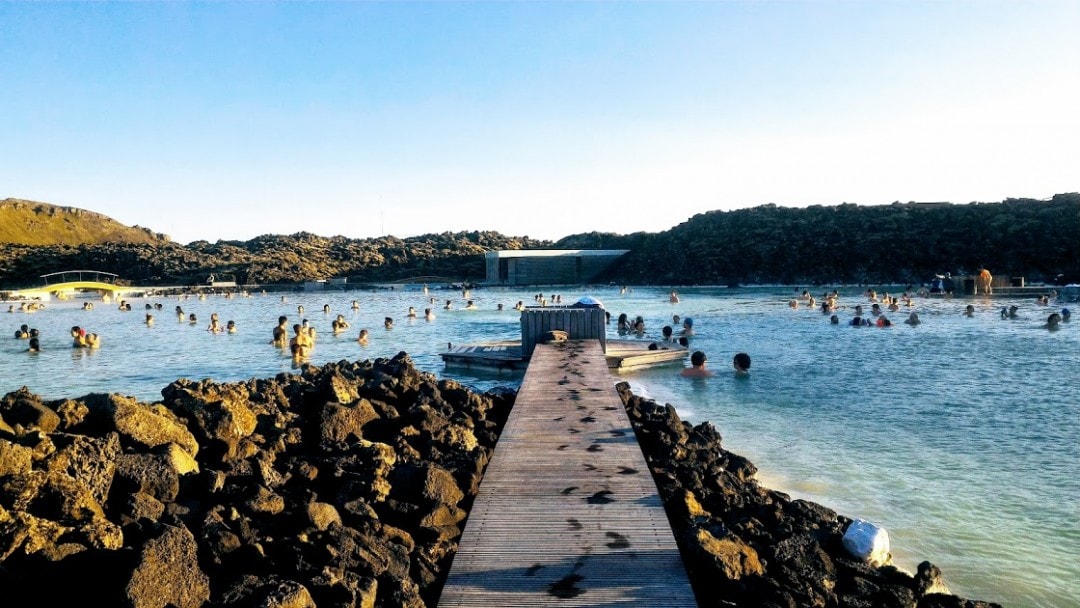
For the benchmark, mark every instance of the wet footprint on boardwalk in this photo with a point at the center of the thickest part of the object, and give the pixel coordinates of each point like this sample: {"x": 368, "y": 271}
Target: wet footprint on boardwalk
{"x": 602, "y": 497}
{"x": 619, "y": 541}
{"x": 574, "y": 524}
{"x": 568, "y": 491}
{"x": 562, "y": 447}
{"x": 588, "y": 419}
{"x": 617, "y": 433}
{"x": 627, "y": 471}
{"x": 596, "y": 447}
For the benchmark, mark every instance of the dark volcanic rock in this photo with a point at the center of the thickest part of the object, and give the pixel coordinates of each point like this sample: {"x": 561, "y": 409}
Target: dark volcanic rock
{"x": 347, "y": 486}
{"x": 756, "y": 547}
{"x": 305, "y": 490}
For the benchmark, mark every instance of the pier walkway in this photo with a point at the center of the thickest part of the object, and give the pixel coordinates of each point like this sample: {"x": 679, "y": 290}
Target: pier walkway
{"x": 567, "y": 513}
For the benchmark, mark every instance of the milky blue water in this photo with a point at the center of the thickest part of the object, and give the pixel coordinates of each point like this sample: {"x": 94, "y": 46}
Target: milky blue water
{"x": 961, "y": 436}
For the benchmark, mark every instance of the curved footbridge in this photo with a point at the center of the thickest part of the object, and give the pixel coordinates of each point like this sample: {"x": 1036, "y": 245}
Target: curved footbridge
{"x": 567, "y": 513}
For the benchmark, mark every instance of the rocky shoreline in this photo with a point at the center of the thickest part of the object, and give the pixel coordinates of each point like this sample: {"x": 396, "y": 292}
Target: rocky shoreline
{"x": 348, "y": 485}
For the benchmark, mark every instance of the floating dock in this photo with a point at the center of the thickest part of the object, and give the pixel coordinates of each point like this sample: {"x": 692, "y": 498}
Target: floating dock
{"x": 578, "y": 324}
{"x": 568, "y": 513}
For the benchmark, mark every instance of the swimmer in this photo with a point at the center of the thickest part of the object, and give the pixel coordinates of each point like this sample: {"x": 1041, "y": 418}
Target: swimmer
{"x": 969, "y": 311}
{"x": 520, "y": 306}
{"x": 913, "y": 319}
{"x": 215, "y": 327}
{"x": 355, "y": 305}
{"x": 697, "y": 366}
{"x": 299, "y": 352}
{"x": 231, "y": 326}
{"x": 279, "y": 337}
{"x": 412, "y": 313}
{"x": 470, "y": 305}
{"x": 388, "y": 323}
{"x": 448, "y": 305}
{"x": 688, "y": 327}
{"x": 326, "y": 309}
{"x": 300, "y": 309}
{"x": 300, "y": 337}
{"x": 34, "y": 346}
{"x": 884, "y": 321}
{"x": 363, "y": 337}
{"x": 667, "y": 332}
{"x": 1053, "y": 321}
{"x": 192, "y": 319}
{"x": 499, "y": 307}
{"x": 741, "y": 363}
{"x": 673, "y": 297}
{"x": 1066, "y": 314}
{"x": 93, "y": 341}
{"x": 856, "y": 321}
{"x": 428, "y": 315}
{"x": 149, "y": 319}
{"x": 835, "y": 320}
{"x": 793, "y": 304}
{"x": 179, "y": 314}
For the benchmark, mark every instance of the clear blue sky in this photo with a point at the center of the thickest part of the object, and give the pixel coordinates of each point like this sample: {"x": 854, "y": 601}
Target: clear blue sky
{"x": 231, "y": 120}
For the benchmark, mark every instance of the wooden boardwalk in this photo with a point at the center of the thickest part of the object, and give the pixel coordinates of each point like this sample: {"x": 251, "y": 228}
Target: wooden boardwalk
{"x": 567, "y": 513}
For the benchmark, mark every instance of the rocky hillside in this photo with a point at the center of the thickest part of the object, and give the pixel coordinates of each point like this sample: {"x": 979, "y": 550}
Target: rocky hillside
{"x": 842, "y": 244}
{"x": 32, "y": 223}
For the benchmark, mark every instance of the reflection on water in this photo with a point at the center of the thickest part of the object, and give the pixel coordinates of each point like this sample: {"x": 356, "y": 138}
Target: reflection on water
{"x": 959, "y": 435}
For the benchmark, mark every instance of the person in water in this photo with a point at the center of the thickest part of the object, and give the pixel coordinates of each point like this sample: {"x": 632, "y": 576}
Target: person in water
{"x": 363, "y": 337}
{"x": 741, "y": 363}
{"x": 697, "y": 366}
{"x": 913, "y": 319}
{"x": 1053, "y": 322}
{"x": 969, "y": 311}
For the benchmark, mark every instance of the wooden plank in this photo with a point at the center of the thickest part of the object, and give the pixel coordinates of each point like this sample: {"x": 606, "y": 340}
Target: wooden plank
{"x": 567, "y": 513}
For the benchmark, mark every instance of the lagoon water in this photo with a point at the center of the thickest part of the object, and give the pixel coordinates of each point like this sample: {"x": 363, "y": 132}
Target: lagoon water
{"x": 961, "y": 436}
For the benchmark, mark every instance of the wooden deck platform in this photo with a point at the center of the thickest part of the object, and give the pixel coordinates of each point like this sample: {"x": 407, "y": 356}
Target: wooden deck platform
{"x": 567, "y": 513}
{"x": 622, "y": 355}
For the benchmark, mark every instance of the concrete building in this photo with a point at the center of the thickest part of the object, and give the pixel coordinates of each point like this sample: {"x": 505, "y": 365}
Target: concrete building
{"x": 548, "y": 266}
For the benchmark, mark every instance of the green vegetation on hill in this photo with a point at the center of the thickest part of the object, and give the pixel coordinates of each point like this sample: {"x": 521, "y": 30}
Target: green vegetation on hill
{"x": 843, "y": 244}
{"x": 32, "y": 223}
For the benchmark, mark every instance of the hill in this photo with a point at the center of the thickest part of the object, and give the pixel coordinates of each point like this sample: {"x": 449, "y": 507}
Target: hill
{"x": 843, "y": 244}
{"x": 33, "y": 223}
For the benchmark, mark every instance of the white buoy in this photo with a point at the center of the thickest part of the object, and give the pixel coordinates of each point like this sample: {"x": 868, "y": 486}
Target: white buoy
{"x": 868, "y": 542}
